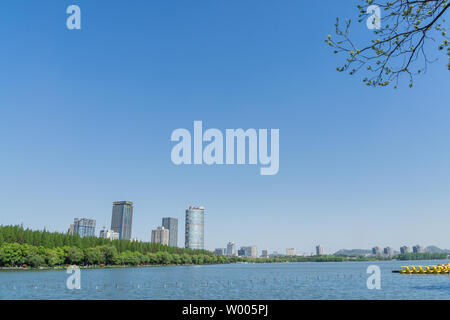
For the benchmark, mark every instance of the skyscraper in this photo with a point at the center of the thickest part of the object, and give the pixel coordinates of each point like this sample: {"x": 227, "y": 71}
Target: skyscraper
{"x": 250, "y": 251}
{"x": 376, "y": 251}
{"x": 160, "y": 235}
{"x": 220, "y": 251}
{"x": 291, "y": 252}
{"x": 122, "y": 219}
{"x": 230, "y": 248}
{"x": 171, "y": 224}
{"x": 404, "y": 249}
{"x": 194, "y": 228}
{"x": 388, "y": 251}
{"x": 84, "y": 227}
{"x": 319, "y": 250}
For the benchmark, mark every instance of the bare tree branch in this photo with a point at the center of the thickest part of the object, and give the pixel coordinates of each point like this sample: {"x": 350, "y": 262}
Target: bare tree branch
{"x": 400, "y": 45}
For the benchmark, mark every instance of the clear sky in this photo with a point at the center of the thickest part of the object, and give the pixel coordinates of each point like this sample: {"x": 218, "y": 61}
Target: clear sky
{"x": 86, "y": 117}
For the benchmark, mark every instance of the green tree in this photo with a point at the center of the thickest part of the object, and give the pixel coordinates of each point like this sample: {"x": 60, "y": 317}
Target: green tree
{"x": 34, "y": 260}
{"x": 52, "y": 258}
{"x": 186, "y": 259}
{"x": 109, "y": 254}
{"x": 74, "y": 256}
{"x": 93, "y": 256}
{"x": 166, "y": 258}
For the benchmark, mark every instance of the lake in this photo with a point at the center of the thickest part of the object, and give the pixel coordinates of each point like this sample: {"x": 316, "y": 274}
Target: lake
{"x": 304, "y": 280}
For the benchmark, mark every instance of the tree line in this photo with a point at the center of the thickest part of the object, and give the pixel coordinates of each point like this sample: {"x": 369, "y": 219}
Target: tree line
{"x": 51, "y": 240}
{"x": 26, "y": 255}
{"x": 21, "y": 247}
{"x": 25, "y": 247}
{"x": 422, "y": 256}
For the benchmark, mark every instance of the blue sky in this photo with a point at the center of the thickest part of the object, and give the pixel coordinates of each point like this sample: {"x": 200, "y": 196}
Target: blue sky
{"x": 86, "y": 117}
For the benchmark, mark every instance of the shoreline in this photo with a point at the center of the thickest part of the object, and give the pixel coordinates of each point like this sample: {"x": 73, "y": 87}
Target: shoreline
{"x": 94, "y": 267}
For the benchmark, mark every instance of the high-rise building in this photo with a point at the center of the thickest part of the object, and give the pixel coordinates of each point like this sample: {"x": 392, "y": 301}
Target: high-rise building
{"x": 274, "y": 254}
{"x": 291, "y": 252}
{"x": 84, "y": 227}
{"x": 230, "y": 248}
{"x": 418, "y": 249}
{"x": 376, "y": 251}
{"x": 404, "y": 249}
{"x": 250, "y": 251}
{"x": 122, "y": 219}
{"x": 160, "y": 235}
{"x": 319, "y": 250}
{"x": 220, "y": 251}
{"x": 194, "y": 228}
{"x": 264, "y": 254}
{"x": 70, "y": 231}
{"x": 388, "y": 251}
{"x": 171, "y": 224}
{"x": 109, "y": 234}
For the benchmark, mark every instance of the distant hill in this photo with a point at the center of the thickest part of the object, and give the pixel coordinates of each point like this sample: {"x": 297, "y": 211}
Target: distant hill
{"x": 352, "y": 252}
{"x": 434, "y": 249}
{"x": 361, "y": 252}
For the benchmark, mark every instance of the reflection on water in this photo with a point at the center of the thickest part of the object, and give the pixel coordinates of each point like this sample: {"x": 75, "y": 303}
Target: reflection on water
{"x": 307, "y": 280}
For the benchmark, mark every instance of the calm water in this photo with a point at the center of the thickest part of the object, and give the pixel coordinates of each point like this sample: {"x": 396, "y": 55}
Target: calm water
{"x": 340, "y": 280}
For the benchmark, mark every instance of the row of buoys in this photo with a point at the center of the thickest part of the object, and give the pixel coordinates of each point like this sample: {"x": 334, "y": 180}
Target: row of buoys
{"x": 439, "y": 269}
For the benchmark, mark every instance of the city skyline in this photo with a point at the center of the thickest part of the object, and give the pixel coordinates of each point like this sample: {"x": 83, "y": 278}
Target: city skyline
{"x": 359, "y": 167}
{"x": 164, "y": 234}
{"x": 87, "y": 227}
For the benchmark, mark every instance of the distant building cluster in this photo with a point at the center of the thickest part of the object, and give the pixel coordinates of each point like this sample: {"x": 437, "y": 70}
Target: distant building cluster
{"x": 252, "y": 251}
{"x": 166, "y": 234}
{"x": 389, "y": 252}
{"x": 404, "y": 249}
{"x": 121, "y": 223}
{"x": 291, "y": 252}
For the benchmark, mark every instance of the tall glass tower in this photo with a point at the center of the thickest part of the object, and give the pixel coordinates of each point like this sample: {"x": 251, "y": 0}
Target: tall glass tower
{"x": 84, "y": 227}
{"x": 194, "y": 232}
{"x": 122, "y": 219}
{"x": 172, "y": 225}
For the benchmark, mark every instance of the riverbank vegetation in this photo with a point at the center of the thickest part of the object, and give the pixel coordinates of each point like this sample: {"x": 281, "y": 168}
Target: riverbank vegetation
{"x": 21, "y": 247}
{"x": 422, "y": 256}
